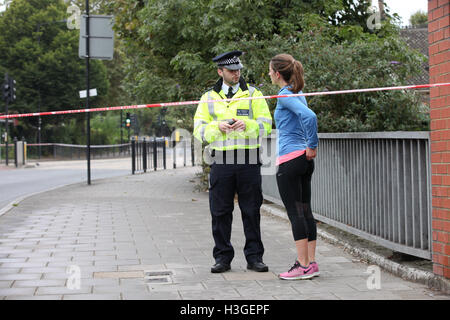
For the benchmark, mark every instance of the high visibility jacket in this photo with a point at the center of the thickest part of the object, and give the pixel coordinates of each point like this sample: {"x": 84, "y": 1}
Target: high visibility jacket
{"x": 255, "y": 113}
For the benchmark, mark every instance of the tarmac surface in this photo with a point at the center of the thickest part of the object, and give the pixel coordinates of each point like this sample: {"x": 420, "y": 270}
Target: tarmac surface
{"x": 148, "y": 237}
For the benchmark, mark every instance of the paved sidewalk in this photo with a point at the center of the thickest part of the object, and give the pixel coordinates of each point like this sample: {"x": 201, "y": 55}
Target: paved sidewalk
{"x": 148, "y": 237}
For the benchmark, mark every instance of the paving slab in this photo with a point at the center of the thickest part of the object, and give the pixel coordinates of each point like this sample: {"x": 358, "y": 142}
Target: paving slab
{"x": 121, "y": 232}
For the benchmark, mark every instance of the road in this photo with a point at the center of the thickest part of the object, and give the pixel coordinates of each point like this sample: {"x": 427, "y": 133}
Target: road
{"x": 18, "y": 183}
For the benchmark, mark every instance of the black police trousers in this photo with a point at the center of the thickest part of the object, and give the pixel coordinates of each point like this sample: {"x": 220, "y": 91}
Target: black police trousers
{"x": 225, "y": 181}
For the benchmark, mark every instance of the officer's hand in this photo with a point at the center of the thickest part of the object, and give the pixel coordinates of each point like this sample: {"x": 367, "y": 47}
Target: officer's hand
{"x": 239, "y": 125}
{"x": 225, "y": 127}
{"x": 311, "y": 153}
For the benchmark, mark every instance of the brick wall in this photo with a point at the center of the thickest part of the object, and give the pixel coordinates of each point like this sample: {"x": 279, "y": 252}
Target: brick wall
{"x": 439, "y": 53}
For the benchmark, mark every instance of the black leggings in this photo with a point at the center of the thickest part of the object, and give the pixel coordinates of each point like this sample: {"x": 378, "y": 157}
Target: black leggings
{"x": 294, "y": 185}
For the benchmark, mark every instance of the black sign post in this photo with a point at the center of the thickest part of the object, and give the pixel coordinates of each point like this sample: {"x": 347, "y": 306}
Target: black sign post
{"x": 9, "y": 95}
{"x": 96, "y": 42}
{"x": 88, "y": 87}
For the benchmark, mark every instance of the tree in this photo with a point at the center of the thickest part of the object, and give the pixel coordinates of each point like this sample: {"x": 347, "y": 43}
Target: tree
{"x": 352, "y": 13}
{"x": 169, "y": 46}
{"x": 96, "y": 6}
{"x": 419, "y": 19}
{"x": 41, "y": 53}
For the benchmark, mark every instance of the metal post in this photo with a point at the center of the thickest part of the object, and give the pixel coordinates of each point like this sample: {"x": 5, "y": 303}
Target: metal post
{"x": 144, "y": 155}
{"x": 121, "y": 127}
{"x": 155, "y": 154}
{"x": 7, "y": 134}
{"x": 39, "y": 105}
{"x": 164, "y": 152}
{"x": 174, "y": 154}
{"x": 192, "y": 151}
{"x": 88, "y": 115}
{"x": 185, "y": 155}
{"x": 16, "y": 161}
{"x": 39, "y": 85}
{"x": 6, "y": 125}
{"x": 24, "y": 151}
{"x": 133, "y": 156}
{"x": 39, "y": 130}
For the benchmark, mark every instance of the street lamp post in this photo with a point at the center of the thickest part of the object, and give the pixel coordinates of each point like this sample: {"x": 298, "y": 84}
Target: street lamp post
{"x": 39, "y": 87}
{"x": 121, "y": 127}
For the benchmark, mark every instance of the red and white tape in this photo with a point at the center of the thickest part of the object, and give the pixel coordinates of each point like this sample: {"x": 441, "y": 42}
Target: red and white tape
{"x": 183, "y": 103}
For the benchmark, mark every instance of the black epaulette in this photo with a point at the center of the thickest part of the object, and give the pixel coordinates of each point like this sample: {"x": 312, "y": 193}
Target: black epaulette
{"x": 208, "y": 90}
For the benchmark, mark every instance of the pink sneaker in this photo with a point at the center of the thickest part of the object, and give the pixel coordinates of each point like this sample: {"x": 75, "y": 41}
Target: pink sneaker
{"x": 297, "y": 272}
{"x": 315, "y": 268}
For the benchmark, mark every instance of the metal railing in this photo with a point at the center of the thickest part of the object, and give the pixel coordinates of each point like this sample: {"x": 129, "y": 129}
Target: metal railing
{"x": 147, "y": 154}
{"x": 374, "y": 185}
{"x": 60, "y": 151}
{"x": 152, "y": 153}
{"x": 3, "y": 153}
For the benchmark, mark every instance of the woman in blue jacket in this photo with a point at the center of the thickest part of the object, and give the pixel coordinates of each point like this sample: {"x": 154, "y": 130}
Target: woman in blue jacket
{"x": 297, "y": 145}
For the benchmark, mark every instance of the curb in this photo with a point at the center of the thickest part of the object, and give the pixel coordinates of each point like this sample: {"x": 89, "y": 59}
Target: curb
{"x": 18, "y": 200}
{"x": 407, "y": 273}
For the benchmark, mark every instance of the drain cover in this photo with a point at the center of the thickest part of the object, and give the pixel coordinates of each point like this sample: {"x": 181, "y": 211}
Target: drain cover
{"x": 158, "y": 277}
{"x": 158, "y": 273}
{"x": 157, "y": 280}
{"x": 118, "y": 274}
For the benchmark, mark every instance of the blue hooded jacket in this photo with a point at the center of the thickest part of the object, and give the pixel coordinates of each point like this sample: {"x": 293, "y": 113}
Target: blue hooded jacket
{"x": 296, "y": 123}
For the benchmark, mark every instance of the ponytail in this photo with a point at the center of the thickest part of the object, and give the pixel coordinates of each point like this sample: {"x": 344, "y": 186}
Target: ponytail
{"x": 290, "y": 69}
{"x": 297, "y": 81}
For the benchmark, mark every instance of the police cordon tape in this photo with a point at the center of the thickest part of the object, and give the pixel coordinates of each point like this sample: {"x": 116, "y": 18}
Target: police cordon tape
{"x": 183, "y": 103}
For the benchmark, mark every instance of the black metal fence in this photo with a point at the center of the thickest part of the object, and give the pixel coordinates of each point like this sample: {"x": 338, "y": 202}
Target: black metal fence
{"x": 3, "y": 153}
{"x": 60, "y": 151}
{"x": 148, "y": 153}
{"x": 157, "y": 153}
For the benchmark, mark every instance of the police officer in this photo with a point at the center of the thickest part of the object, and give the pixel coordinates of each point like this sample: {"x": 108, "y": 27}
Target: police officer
{"x": 232, "y": 130}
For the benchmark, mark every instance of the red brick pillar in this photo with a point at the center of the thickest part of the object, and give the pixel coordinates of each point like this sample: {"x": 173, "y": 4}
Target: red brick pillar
{"x": 439, "y": 50}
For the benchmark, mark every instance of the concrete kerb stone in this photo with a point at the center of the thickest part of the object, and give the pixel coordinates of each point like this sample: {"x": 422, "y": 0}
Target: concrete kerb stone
{"x": 15, "y": 202}
{"x": 405, "y": 272}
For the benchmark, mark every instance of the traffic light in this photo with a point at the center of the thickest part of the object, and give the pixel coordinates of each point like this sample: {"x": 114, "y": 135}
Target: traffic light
{"x": 133, "y": 119}
{"x": 5, "y": 89}
{"x": 128, "y": 120}
{"x": 9, "y": 89}
{"x": 12, "y": 89}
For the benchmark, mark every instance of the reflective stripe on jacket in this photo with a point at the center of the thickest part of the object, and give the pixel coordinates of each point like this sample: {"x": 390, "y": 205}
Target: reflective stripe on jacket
{"x": 255, "y": 113}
